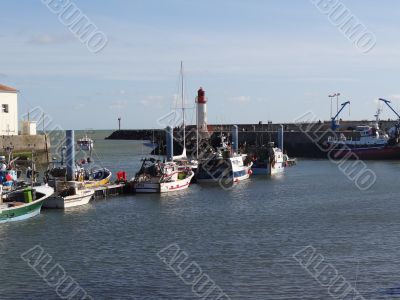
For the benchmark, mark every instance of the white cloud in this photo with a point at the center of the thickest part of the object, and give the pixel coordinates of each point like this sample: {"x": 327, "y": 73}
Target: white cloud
{"x": 79, "y": 106}
{"x": 240, "y": 99}
{"x": 49, "y": 39}
{"x": 395, "y": 97}
{"x": 153, "y": 101}
{"x": 118, "y": 104}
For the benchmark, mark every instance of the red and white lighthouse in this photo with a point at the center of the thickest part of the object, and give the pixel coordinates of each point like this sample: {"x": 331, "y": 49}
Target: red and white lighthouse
{"x": 201, "y": 101}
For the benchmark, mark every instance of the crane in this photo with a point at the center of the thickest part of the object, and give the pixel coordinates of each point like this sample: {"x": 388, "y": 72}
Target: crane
{"x": 387, "y": 102}
{"x": 334, "y": 124}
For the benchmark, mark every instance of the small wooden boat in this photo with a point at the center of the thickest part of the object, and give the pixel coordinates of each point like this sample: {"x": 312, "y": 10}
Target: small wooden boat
{"x": 24, "y": 203}
{"x": 157, "y": 177}
{"x": 69, "y": 194}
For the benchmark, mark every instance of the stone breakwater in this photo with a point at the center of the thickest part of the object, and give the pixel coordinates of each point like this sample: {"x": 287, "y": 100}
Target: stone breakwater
{"x": 300, "y": 139}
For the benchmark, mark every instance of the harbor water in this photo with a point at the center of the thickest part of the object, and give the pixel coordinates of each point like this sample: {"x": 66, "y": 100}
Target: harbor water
{"x": 244, "y": 238}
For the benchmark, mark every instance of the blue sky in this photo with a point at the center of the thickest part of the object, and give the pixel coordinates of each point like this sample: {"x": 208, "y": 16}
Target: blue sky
{"x": 257, "y": 59}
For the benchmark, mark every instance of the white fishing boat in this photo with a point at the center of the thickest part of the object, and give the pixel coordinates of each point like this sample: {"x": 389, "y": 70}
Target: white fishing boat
{"x": 271, "y": 164}
{"x": 225, "y": 165}
{"x": 370, "y": 136}
{"x": 69, "y": 194}
{"x": 174, "y": 175}
{"x": 182, "y": 160}
{"x": 157, "y": 177}
{"x": 85, "y": 143}
{"x": 370, "y": 142}
{"x": 228, "y": 170}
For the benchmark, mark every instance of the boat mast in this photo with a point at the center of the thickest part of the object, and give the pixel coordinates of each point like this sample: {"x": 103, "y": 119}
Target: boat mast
{"x": 183, "y": 108}
{"x": 197, "y": 131}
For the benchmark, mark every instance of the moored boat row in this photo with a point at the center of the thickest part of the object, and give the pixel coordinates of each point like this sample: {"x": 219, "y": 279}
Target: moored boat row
{"x": 226, "y": 166}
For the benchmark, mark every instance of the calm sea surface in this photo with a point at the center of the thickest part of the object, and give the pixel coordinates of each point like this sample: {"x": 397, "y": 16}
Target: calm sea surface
{"x": 244, "y": 239}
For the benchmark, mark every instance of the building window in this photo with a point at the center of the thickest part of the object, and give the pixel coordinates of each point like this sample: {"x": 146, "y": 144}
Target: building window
{"x": 4, "y": 108}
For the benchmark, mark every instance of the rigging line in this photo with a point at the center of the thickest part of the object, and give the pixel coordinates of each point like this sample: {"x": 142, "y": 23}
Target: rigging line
{"x": 183, "y": 107}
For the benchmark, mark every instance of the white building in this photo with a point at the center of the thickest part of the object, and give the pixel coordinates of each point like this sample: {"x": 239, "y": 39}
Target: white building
{"x": 28, "y": 128}
{"x": 8, "y": 110}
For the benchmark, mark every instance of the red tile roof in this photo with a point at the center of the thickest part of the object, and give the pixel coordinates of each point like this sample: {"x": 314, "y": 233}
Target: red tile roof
{"x": 4, "y": 88}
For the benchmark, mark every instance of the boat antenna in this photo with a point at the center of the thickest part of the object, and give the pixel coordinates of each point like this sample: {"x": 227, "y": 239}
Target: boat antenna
{"x": 183, "y": 108}
{"x": 197, "y": 130}
{"x": 32, "y": 146}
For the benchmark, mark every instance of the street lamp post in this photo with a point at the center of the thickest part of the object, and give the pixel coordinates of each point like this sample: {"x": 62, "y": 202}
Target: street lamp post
{"x": 337, "y": 102}
{"x": 331, "y": 97}
{"x": 119, "y": 123}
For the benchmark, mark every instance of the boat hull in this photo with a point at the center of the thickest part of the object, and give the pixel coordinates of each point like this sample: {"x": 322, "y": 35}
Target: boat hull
{"x": 162, "y": 187}
{"x": 225, "y": 173}
{"x": 370, "y": 153}
{"x": 242, "y": 174}
{"x": 146, "y": 187}
{"x": 59, "y": 202}
{"x": 26, "y": 210}
{"x": 20, "y": 213}
{"x": 268, "y": 171}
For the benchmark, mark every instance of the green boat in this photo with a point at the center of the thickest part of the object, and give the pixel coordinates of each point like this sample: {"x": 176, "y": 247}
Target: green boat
{"x": 23, "y": 204}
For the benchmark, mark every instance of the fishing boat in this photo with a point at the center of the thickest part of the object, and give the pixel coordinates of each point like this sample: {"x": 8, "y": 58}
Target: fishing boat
{"x": 23, "y": 204}
{"x": 370, "y": 143}
{"x": 89, "y": 178}
{"x": 68, "y": 180}
{"x": 85, "y": 143}
{"x": 271, "y": 164}
{"x": 228, "y": 169}
{"x": 182, "y": 160}
{"x": 225, "y": 165}
{"x": 155, "y": 176}
{"x": 69, "y": 194}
